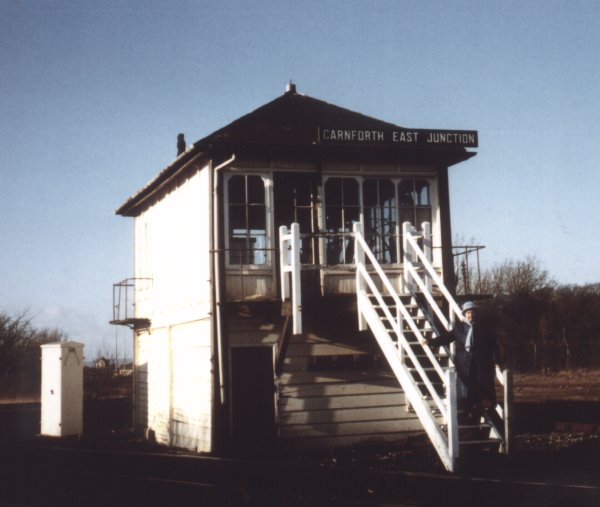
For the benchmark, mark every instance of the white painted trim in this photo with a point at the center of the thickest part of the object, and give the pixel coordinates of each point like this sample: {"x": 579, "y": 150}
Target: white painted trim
{"x": 289, "y": 272}
{"x": 267, "y": 178}
{"x": 432, "y": 180}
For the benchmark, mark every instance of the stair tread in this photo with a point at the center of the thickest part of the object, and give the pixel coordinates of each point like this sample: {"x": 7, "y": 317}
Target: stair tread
{"x": 481, "y": 442}
{"x": 479, "y": 426}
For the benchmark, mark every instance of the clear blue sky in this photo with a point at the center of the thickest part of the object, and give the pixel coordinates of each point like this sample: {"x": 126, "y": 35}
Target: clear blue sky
{"x": 94, "y": 93}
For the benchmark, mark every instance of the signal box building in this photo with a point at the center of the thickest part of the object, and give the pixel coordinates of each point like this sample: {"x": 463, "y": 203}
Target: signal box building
{"x": 279, "y": 299}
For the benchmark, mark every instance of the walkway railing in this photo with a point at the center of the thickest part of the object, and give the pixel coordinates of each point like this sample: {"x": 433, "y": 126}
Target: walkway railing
{"x": 124, "y": 302}
{"x": 419, "y": 272}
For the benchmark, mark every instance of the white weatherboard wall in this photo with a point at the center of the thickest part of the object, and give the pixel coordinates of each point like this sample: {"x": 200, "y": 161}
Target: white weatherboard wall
{"x": 173, "y": 358}
{"x": 174, "y": 385}
{"x": 62, "y": 389}
{"x": 172, "y": 255}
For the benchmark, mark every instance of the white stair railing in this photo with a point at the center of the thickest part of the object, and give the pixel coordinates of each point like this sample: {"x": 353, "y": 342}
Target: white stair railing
{"x": 399, "y": 350}
{"x": 289, "y": 272}
{"x": 419, "y": 272}
{"x": 415, "y": 257}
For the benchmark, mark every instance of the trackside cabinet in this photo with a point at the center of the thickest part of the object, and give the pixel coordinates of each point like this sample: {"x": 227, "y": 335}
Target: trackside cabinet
{"x": 62, "y": 389}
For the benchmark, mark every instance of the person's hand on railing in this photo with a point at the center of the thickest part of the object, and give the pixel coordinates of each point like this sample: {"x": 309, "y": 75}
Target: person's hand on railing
{"x": 430, "y": 341}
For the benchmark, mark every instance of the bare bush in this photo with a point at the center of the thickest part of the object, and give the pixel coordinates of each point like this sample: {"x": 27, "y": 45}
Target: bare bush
{"x": 515, "y": 277}
{"x": 542, "y": 326}
{"x": 20, "y": 366}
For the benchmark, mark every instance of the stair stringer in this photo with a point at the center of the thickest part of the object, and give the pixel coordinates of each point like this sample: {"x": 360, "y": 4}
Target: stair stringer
{"x": 422, "y": 409}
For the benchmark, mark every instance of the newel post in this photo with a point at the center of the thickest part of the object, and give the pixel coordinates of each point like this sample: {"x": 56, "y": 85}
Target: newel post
{"x": 289, "y": 268}
{"x": 295, "y": 274}
{"x": 359, "y": 261}
{"x": 428, "y": 251}
{"x": 452, "y": 416}
{"x": 407, "y": 229}
{"x": 283, "y": 263}
{"x": 508, "y": 409}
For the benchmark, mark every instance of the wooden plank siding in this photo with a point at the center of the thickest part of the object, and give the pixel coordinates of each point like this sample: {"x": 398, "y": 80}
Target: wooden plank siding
{"x": 335, "y": 388}
{"x": 173, "y": 366}
{"x": 191, "y": 399}
{"x": 343, "y": 280}
{"x": 357, "y": 404}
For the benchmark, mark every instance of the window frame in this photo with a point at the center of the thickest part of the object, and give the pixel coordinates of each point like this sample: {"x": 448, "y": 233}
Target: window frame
{"x": 267, "y": 179}
{"x": 323, "y": 225}
{"x": 432, "y": 181}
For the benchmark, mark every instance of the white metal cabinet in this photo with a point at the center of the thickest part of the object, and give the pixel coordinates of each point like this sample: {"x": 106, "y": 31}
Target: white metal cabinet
{"x": 62, "y": 389}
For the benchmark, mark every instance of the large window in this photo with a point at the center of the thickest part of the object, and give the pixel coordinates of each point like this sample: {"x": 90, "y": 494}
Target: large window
{"x": 379, "y": 199}
{"x": 385, "y": 205}
{"x": 415, "y": 201}
{"x": 247, "y": 220}
{"x": 381, "y": 204}
{"x": 295, "y": 200}
{"x": 342, "y": 209}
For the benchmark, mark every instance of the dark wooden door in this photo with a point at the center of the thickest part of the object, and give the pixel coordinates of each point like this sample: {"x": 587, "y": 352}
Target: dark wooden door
{"x": 252, "y": 400}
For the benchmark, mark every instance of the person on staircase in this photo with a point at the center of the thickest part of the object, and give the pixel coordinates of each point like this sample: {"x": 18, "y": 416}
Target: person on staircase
{"x": 476, "y": 357}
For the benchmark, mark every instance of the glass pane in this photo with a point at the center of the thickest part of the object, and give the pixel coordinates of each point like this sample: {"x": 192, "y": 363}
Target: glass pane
{"x": 333, "y": 192}
{"x": 303, "y": 217}
{"x": 306, "y": 251}
{"x": 405, "y": 193}
{"x": 333, "y": 219}
{"x": 303, "y": 192}
{"x": 237, "y": 190}
{"x": 256, "y": 190}
{"x": 258, "y": 245}
{"x": 370, "y": 193}
{"x": 237, "y": 218}
{"x": 348, "y": 250}
{"x": 406, "y": 215}
{"x": 380, "y": 218}
{"x": 342, "y": 209}
{"x": 387, "y": 195}
{"x": 389, "y": 248}
{"x": 351, "y": 215}
{"x": 247, "y": 220}
{"x": 422, "y": 193}
{"x": 423, "y": 215}
{"x": 350, "y": 191}
{"x": 256, "y": 218}
{"x": 389, "y": 220}
{"x": 238, "y": 233}
{"x": 372, "y": 220}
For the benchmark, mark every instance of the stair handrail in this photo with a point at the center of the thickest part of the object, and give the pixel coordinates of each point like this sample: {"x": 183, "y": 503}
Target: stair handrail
{"x": 363, "y": 248}
{"x": 504, "y": 377}
{"x": 505, "y": 411}
{"x": 409, "y": 269}
{"x": 445, "y": 444}
{"x": 406, "y": 349}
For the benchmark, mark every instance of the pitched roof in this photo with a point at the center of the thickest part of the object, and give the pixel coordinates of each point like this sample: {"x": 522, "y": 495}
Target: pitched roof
{"x": 292, "y": 119}
{"x": 295, "y": 120}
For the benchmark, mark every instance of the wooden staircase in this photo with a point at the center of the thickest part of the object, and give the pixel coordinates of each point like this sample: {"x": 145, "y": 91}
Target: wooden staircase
{"x": 402, "y": 324}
